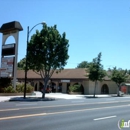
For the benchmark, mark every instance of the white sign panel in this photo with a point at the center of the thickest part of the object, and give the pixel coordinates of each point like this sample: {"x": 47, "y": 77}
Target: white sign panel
{"x": 66, "y": 81}
{"x": 7, "y": 64}
{"x": 8, "y": 46}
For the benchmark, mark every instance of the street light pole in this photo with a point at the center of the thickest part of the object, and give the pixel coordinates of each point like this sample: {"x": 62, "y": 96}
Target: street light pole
{"x": 26, "y": 65}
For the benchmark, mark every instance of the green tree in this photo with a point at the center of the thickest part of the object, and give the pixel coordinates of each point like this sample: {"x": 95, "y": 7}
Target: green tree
{"x": 21, "y": 64}
{"x": 47, "y": 53}
{"x": 83, "y": 64}
{"x": 96, "y": 71}
{"x": 119, "y": 76}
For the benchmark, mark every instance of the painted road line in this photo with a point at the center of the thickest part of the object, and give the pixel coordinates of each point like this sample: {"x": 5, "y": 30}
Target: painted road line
{"x": 15, "y": 109}
{"x": 102, "y": 118}
{"x": 22, "y": 116}
{"x": 61, "y": 112}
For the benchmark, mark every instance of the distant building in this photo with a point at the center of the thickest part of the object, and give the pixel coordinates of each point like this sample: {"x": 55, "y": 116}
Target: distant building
{"x": 61, "y": 81}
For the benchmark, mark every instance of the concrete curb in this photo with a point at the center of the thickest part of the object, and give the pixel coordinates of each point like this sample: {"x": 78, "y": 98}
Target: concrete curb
{"x": 36, "y": 96}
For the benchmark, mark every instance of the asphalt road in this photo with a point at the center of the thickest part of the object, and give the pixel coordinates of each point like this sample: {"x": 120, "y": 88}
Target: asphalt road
{"x": 83, "y": 114}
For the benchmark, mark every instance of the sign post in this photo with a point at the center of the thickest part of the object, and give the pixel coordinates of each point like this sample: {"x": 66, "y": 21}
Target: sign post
{"x": 9, "y": 52}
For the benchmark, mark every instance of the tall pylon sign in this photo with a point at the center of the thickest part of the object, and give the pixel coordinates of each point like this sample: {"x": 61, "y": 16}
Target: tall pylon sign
{"x": 9, "y": 52}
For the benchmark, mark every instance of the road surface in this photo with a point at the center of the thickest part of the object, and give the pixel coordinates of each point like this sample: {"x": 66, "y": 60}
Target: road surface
{"x": 82, "y": 114}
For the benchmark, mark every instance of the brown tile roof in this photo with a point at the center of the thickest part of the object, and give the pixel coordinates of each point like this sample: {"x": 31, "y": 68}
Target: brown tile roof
{"x": 71, "y": 74}
{"x": 79, "y": 73}
{"x": 64, "y": 74}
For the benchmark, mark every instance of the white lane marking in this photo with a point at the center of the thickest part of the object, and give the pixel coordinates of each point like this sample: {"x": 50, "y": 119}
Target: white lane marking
{"x": 63, "y": 112}
{"x": 26, "y": 104}
{"x": 102, "y": 118}
{"x": 76, "y": 101}
{"x": 10, "y": 109}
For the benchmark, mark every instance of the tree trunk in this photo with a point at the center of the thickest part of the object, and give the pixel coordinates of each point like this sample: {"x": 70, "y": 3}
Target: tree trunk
{"x": 118, "y": 90}
{"x": 95, "y": 88}
{"x": 44, "y": 87}
{"x": 43, "y": 92}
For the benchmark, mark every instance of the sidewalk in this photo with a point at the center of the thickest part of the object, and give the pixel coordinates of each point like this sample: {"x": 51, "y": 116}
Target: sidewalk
{"x": 36, "y": 96}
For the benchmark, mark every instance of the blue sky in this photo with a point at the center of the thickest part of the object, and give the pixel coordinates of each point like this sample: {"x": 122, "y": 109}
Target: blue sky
{"x": 92, "y": 26}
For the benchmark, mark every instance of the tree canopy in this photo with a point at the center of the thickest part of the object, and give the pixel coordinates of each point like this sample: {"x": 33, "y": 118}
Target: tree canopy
{"x": 21, "y": 64}
{"x": 47, "y": 52}
{"x": 96, "y": 71}
{"x": 119, "y": 76}
{"x": 83, "y": 64}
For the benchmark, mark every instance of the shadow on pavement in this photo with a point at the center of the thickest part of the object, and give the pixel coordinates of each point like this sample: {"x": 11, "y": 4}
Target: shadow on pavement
{"x": 31, "y": 99}
{"x": 90, "y": 97}
{"x": 96, "y": 96}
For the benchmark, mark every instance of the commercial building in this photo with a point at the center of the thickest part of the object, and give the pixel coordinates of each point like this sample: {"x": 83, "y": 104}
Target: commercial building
{"x": 61, "y": 81}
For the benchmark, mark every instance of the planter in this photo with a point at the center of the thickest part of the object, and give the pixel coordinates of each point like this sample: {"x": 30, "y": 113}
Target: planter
{"x": 14, "y": 94}
{"x": 75, "y": 93}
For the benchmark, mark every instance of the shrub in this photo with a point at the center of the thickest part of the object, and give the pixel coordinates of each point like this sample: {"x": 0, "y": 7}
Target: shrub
{"x": 20, "y": 88}
{"x": 75, "y": 88}
{"x": 29, "y": 88}
{"x": 9, "y": 89}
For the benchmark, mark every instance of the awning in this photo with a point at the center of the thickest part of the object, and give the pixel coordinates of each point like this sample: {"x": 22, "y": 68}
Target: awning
{"x": 127, "y": 84}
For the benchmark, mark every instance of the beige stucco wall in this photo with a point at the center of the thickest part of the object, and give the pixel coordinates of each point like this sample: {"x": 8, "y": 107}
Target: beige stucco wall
{"x": 86, "y": 87}
{"x": 111, "y": 85}
{"x": 92, "y": 86}
{"x": 64, "y": 87}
